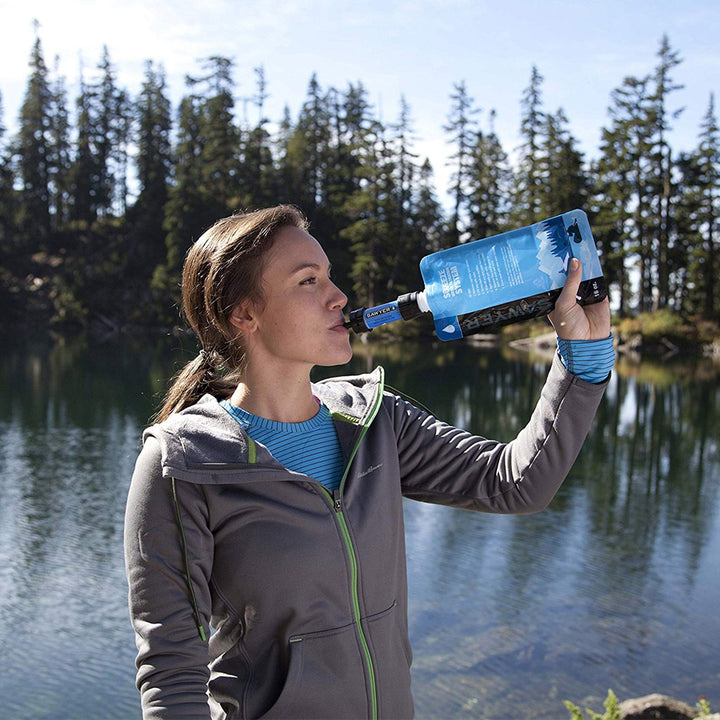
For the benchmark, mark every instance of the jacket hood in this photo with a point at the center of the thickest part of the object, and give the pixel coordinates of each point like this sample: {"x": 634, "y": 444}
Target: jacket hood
{"x": 352, "y": 398}
{"x": 204, "y": 444}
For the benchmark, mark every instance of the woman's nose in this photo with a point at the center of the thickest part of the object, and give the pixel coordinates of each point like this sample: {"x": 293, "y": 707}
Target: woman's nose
{"x": 338, "y": 297}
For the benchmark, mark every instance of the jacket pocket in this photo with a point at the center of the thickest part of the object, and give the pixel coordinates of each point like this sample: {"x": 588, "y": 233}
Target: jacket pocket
{"x": 325, "y": 679}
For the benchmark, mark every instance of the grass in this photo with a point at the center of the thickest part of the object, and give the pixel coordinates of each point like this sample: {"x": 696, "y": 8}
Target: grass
{"x": 611, "y": 705}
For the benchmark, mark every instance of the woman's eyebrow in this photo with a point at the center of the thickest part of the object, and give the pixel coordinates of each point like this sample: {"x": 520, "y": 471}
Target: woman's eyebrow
{"x": 306, "y": 265}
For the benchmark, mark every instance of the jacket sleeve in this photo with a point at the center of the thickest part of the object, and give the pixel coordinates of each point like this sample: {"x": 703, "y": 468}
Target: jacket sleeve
{"x": 172, "y": 657}
{"x": 442, "y": 464}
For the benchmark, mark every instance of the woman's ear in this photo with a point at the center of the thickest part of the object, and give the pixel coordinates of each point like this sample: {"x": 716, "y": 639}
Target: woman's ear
{"x": 242, "y": 317}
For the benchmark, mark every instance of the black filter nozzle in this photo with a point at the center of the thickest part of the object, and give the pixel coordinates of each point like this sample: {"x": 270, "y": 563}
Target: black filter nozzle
{"x": 356, "y": 323}
{"x": 408, "y": 306}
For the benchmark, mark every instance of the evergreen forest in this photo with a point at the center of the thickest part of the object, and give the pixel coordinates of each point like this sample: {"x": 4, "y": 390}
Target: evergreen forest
{"x": 101, "y": 195}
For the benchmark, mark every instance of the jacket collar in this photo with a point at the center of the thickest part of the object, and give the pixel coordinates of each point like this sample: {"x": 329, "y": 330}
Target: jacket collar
{"x": 353, "y": 397}
{"x": 204, "y": 444}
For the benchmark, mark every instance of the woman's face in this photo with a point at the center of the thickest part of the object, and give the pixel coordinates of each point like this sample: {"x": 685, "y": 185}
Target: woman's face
{"x": 301, "y": 321}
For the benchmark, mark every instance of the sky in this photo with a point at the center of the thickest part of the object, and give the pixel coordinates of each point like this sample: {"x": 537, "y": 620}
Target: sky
{"x": 416, "y": 49}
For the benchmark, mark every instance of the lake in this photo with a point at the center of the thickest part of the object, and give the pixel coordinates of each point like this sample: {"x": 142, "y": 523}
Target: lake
{"x": 616, "y": 585}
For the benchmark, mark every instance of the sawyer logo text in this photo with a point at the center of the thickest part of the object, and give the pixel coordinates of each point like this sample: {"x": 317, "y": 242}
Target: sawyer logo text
{"x": 378, "y": 311}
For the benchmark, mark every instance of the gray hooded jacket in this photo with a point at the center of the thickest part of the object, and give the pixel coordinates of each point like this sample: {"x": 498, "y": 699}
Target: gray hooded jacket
{"x": 305, "y": 590}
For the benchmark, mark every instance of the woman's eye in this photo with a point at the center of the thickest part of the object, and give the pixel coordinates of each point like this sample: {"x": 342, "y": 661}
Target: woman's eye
{"x": 309, "y": 281}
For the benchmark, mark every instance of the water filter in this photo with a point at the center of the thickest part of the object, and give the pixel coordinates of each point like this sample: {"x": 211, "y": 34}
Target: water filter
{"x": 482, "y": 285}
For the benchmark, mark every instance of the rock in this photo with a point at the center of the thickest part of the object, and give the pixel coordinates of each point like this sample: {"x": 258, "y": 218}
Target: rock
{"x": 656, "y": 707}
{"x": 541, "y": 345}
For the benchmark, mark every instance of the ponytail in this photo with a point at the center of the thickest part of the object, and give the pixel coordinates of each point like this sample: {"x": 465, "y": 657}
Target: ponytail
{"x": 196, "y": 379}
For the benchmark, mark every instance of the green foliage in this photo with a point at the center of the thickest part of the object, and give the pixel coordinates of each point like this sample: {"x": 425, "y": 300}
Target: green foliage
{"x": 654, "y": 329}
{"x": 662, "y": 323}
{"x": 611, "y": 705}
{"x": 703, "y": 707}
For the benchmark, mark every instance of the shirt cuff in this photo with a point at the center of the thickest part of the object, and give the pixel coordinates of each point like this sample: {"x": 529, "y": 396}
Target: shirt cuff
{"x": 590, "y": 360}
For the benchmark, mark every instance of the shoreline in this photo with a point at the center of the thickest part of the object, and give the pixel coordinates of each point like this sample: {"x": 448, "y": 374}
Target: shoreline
{"x": 633, "y": 347}
{"x": 528, "y": 337}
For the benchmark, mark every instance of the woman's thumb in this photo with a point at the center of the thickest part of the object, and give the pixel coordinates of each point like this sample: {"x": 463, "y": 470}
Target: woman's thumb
{"x": 572, "y": 283}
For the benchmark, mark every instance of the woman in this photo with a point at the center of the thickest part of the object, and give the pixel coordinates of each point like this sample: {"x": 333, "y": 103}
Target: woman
{"x": 270, "y": 508}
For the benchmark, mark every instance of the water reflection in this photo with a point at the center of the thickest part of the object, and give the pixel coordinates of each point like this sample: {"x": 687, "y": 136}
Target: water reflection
{"x": 69, "y": 424}
{"x": 614, "y": 586}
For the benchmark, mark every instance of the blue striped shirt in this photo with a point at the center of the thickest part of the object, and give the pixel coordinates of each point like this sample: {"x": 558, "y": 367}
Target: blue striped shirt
{"x": 311, "y": 447}
{"x": 590, "y": 360}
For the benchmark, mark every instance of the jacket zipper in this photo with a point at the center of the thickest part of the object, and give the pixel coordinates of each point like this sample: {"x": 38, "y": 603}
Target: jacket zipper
{"x": 356, "y": 601}
{"x": 338, "y": 506}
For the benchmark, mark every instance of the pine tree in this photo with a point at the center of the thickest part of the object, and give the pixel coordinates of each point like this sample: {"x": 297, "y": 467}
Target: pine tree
{"x": 611, "y": 222}
{"x": 113, "y": 125}
{"x": 84, "y": 172}
{"x": 185, "y": 213}
{"x": 219, "y": 167}
{"x": 489, "y": 185}
{"x": 8, "y": 234}
{"x": 406, "y": 167}
{"x": 708, "y": 161}
{"x": 305, "y": 153}
{"x": 363, "y": 160}
{"x": 624, "y": 226}
{"x": 60, "y": 155}
{"x": 121, "y": 151}
{"x": 205, "y": 184}
{"x": 99, "y": 182}
{"x": 402, "y": 249}
{"x": 462, "y": 128}
{"x": 341, "y": 175}
{"x": 258, "y": 179}
{"x": 566, "y": 184}
{"x": 663, "y": 191}
{"x": 153, "y": 120}
{"x": 529, "y": 179}
{"x": 428, "y": 215}
{"x": 697, "y": 217}
{"x": 34, "y": 154}
{"x": 280, "y": 142}
{"x": 10, "y": 285}
{"x": 219, "y": 139}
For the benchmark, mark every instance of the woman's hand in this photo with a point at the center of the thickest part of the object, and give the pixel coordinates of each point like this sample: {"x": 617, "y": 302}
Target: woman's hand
{"x": 573, "y": 321}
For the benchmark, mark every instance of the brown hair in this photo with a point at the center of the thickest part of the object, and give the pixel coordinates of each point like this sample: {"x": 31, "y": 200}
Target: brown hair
{"x": 222, "y": 268}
